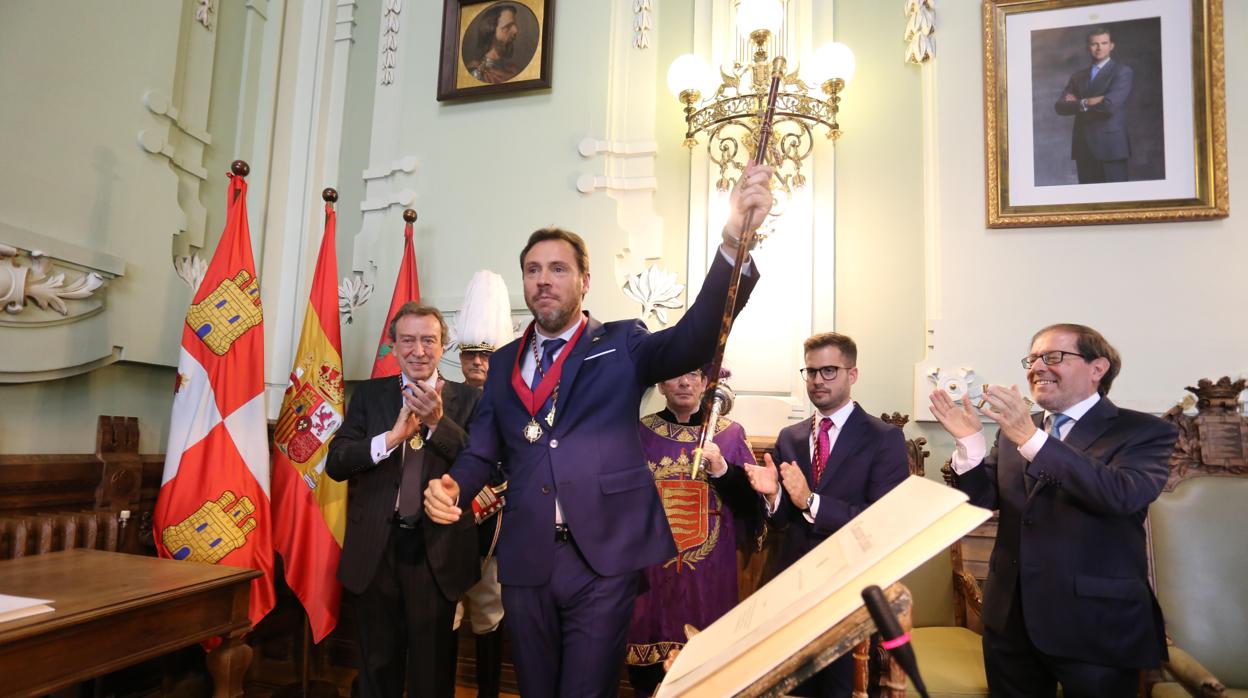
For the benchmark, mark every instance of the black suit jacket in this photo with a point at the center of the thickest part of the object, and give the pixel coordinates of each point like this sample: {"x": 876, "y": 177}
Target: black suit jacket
{"x": 867, "y": 460}
{"x": 1075, "y": 543}
{"x": 452, "y": 550}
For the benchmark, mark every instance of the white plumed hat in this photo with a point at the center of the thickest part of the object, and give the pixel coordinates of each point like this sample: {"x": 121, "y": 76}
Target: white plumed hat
{"x": 484, "y": 321}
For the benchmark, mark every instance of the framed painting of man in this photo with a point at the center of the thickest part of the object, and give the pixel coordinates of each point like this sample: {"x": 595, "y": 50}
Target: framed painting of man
{"x": 1101, "y": 111}
{"x": 491, "y": 47}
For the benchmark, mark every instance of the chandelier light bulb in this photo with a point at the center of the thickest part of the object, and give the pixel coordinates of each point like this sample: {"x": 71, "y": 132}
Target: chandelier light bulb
{"x": 759, "y": 14}
{"x": 834, "y": 60}
{"x": 688, "y": 72}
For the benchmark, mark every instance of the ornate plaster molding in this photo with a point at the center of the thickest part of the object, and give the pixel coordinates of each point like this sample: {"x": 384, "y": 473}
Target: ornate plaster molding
{"x": 352, "y": 293}
{"x": 643, "y": 20}
{"x": 656, "y": 290}
{"x": 390, "y": 40}
{"x": 158, "y": 144}
{"x": 406, "y": 165}
{"x": 204, "y": 12}
{"x": 191, "y": 269}
{"x": 616, "y": 154}
{"x": 39, "y": 282}
{"x": 920, "y": 23}
{"x": 344, "y": 21}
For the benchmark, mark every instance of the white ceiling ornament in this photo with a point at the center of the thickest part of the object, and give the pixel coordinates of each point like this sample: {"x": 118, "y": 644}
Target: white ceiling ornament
{"x": 958, "y": 383}
{"x": 352, "y": 293}
{"x": 920, "y": 23}
{"x": 656, "y": 290}
{"x": 390, "y": 40}
{"x": 36, "y": 282}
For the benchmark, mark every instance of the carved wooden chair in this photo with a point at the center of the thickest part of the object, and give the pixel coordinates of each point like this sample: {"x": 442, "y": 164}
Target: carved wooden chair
{"x": 1197, "y": 553}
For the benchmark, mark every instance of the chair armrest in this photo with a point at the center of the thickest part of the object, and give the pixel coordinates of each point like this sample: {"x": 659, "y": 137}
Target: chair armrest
{"x": 968, "y": 588}
{"x": 1192, "y": 676}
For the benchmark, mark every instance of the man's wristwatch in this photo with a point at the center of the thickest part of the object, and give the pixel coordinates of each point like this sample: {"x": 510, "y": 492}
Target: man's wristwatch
{"x": 810, "y": 500}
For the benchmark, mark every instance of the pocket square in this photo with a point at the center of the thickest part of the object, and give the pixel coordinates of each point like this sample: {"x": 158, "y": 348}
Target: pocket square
{"x": 601, "y": 353}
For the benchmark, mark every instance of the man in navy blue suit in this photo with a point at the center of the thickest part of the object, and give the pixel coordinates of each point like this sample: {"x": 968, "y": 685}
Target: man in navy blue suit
{"x": 832, "y": 466}
{"x": 560, "y": 412}
{"x": 1097, "y": 97}
{"x": 1067, "y": 598}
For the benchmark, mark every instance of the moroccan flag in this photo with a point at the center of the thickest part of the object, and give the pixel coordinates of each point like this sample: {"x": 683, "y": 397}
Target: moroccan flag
{"x": 309, "y": 509}
{"x": 213, "y": 504}
{"x": 406, "y": 288}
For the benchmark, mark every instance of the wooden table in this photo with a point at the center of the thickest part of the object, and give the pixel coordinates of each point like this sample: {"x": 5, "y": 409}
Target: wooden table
{"x": 114, "y": 610}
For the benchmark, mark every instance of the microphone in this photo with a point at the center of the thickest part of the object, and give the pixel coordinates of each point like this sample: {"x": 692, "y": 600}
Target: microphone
{"x": 893, "y": 639}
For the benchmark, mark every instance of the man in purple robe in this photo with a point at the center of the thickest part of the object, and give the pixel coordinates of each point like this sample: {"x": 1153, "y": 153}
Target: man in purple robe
{"x": 709, "y": 517}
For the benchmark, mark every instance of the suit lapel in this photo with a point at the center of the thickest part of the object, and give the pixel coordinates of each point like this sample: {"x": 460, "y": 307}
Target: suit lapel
{"x": 1020, "y": 477}
{"x": 391, "y": 400}
{"x": 593, "y": 333}
{"x": 450, "y": 400}
{"x": 1090, "y": 427}
{"x": 801, "y": 449}
{"x": 846, "y": 443}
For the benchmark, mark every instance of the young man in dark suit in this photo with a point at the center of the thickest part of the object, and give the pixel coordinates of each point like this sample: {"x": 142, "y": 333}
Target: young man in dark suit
{"x": 832, "y": 466}
{"x": 404, "y": 574}
{"x": 560, "y": 412}
{"x": 1067, "y": 598}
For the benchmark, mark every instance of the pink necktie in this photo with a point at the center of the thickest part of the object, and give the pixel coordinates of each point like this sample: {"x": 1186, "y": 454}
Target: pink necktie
{"x": 821, "y": 449}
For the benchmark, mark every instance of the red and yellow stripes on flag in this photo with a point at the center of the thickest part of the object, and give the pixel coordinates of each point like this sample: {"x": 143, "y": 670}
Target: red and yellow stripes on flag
{"x": 309, "y": 508}
{"x": 213, "y": 504}
{"x": 406, "y": 288}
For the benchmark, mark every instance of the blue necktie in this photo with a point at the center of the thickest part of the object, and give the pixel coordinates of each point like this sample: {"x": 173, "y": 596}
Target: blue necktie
{"x": 549, "y": 347}
{"x": 1056, "y": 422}
{"x": 1095, "y": 69}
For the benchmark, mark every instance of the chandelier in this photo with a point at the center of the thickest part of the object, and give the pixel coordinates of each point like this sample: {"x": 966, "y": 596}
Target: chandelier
{"x": 731, "y": 117}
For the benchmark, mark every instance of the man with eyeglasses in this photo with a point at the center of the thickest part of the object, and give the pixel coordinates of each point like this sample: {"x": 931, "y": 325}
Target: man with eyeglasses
{"x": 1067, "y": 598}
{"x": 832, "y": 467}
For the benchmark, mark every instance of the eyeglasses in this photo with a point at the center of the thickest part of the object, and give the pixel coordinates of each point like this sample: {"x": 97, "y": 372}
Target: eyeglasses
{"x": 1050, "y": 358}
{"x": 825, "y": 372}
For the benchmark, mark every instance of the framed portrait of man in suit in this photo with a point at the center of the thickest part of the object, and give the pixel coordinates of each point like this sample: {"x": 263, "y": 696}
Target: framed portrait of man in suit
{"x": 1101, "y": 111}
{"x": 494, "y": 46}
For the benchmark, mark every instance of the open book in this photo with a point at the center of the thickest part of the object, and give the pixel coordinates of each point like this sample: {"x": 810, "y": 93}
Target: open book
{"x": 14, "y": 607}
{"x": 901, "y": 531}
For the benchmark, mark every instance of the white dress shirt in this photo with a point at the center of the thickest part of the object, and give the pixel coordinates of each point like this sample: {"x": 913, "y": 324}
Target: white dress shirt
{"x": 970, "y": 451}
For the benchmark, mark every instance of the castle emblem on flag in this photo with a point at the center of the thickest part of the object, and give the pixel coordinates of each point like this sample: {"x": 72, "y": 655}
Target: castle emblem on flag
{"x": 214, "y": 530}
{"x": 309, "y": 418}
{"x": 226, "y": 313}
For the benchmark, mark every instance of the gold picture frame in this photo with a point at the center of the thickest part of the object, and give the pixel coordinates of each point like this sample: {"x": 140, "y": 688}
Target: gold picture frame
{"x": 1170, "y": 121}
{"x": 493, "y": 47}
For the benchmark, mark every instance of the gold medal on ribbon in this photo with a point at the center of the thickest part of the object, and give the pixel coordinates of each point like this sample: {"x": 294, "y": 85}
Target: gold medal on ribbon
{"x": 417, "y": 441}
{"x": 532, "y": 431}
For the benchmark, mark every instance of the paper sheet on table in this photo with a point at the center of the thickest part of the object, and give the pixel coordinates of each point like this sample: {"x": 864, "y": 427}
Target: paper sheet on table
{"x": 14, "y": 607}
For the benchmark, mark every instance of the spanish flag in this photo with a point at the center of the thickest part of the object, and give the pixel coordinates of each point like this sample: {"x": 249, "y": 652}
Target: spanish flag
{"x": 309, "y": 509}
{"x": 213, "y": 504}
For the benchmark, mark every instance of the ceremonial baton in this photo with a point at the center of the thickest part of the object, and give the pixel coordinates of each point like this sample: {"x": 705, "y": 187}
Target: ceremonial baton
{"x": 734, "y": 282}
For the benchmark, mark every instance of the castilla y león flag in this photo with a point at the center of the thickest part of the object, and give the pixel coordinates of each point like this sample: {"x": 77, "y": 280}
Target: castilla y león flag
{"x": 214, "y": 497}
{"x": 406, "y": 288}
{"x": 309, "y": 508}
